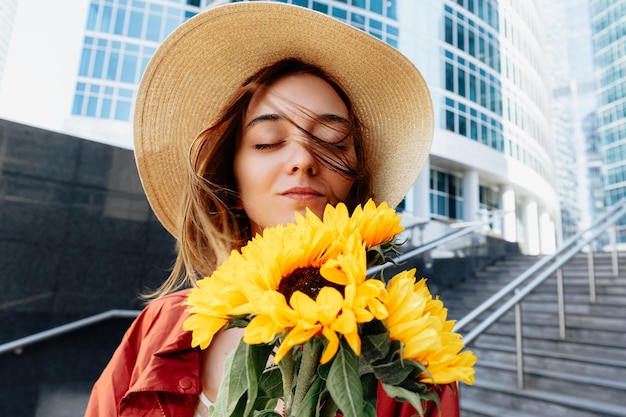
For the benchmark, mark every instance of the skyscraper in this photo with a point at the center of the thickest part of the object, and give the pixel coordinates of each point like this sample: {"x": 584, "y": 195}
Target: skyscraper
{"x": 608, "y": 20}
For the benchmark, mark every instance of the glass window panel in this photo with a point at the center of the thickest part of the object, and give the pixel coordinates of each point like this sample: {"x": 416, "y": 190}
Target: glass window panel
{"x": 441, "y": 205}
{"x": 92, "y": 18}
{"x": 92, "y": 105}
{"x": 391, "y": 9}
{"x": 448, "y": 31}
{"x": 129, "y": 69}
{"x": 357, "y": 20}
{"x": 320, "y": 7}
{"x": 340, "y": 13}
{"x": 105, "y": 111}
{"x": 154, "y": 28}
{"x": 441, "y": 181}
{"x": 119, "y": 22}
{"x": 84, "y": 62}
{"x": 461, "y": 79}
{"x": 449, "y": 77}
{"x": 77, "y": 107}
{"x": 472, "y": 87}
{"x": 452, "y": 207}
{"x": 122, "y": 110}
{"x": 462, "y": 125}
{"x": 460, "y": 36}
{"x": 105, "y": 23}
{"x": 376, "y": 6}
{"x": 358, "y": 3}
{"x": 135, "y": 25}
{"x": 449, "y": 121}
{"x": 98, "y": 64}
{"x": 112, "y": 67}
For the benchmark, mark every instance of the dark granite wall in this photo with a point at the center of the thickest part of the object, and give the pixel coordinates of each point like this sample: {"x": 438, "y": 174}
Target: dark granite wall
{"x": 77, "y": 237}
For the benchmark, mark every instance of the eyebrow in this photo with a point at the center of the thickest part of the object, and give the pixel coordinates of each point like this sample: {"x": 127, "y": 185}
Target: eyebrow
{"x": 323, "y": 118}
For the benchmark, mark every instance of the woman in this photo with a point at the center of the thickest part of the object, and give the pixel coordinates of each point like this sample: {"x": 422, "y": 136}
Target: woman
{"x": 302, "y": 111}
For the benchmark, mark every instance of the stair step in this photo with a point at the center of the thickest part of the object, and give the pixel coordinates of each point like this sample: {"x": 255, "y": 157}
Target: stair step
{"x": 473, "y": 408}
{"x": 591, "y": 348}
{"x": 583, "y": 375}
{"x": 604, "y": 337}
{"x": 593, "y": 366}
{"x": 600, "y": 389}
{"x": 537, "y": 403}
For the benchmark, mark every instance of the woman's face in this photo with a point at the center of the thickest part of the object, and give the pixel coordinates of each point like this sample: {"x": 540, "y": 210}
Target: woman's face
{"x": 275, "y": 172}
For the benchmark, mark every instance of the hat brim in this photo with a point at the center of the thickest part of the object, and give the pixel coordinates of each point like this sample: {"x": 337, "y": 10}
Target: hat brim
{"x": 197, "y": 69}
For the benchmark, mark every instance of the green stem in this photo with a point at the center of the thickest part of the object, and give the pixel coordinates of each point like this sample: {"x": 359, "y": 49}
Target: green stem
{"x": 286, "y": 366}
{"x": 308, "y": 367}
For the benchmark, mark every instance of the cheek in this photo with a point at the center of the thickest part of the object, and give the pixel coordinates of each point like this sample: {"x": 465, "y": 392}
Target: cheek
{"x": 341, "y": 187}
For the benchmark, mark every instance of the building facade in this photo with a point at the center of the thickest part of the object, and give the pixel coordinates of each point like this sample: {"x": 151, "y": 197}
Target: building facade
{"x": 608, "y": 23}
{"x": 483, "y": 59}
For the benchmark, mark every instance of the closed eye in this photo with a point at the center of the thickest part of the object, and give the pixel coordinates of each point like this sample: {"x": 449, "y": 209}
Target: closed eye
{"x": 262, "y": 146}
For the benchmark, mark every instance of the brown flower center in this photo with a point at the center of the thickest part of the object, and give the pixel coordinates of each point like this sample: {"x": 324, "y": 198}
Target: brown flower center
{"x": 307, "y": 280}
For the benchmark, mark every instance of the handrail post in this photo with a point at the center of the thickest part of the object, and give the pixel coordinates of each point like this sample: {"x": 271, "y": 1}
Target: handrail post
{"x": 560, "y": 302}
{"x": 519, "y": 354}
{"x": 614, "y": 249}
{"x": 592, "y": 276}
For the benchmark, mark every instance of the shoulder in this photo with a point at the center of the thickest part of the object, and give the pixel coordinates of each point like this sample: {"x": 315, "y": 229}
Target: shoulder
{"x": 173, "y": 303}
{"x": 160, "y": 321}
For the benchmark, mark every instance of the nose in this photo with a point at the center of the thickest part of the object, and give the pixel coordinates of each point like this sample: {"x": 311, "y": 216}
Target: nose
{"x": 301, "y": 160}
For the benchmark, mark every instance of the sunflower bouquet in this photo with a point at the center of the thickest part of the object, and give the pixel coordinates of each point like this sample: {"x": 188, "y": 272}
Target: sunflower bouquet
{"x": 320, "y": 335}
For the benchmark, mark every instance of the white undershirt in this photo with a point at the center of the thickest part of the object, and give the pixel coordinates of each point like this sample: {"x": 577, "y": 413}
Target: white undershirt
{"x": 202, "y": 407}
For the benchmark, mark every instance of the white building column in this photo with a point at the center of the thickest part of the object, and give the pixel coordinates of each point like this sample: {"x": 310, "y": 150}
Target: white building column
{"x": 509, "y": 218}
{"x": 471, "y": 196}
{"x": 421, "y": 194}
{"x": 547, "y": 233}
{"x": 531, "y": 223}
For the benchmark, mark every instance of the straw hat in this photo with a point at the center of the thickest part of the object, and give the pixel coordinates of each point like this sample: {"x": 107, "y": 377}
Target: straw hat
{"x": 201, "y": 64}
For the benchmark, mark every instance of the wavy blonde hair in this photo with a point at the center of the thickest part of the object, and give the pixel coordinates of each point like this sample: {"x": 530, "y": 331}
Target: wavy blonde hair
{"x": 211, "y": 224}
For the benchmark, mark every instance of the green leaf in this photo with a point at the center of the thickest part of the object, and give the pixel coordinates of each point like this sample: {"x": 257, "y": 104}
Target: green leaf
{"x": 375, "y": 347}
{"x": 271, "y": 383}
{"x": 402, "y": 394}
{"x": 239, "y": 387}
{"x": 394, "y": 372}
{"x": 256, "y": 360}
{"x": 344, "y": 383}
{"x": 370, "y": 388}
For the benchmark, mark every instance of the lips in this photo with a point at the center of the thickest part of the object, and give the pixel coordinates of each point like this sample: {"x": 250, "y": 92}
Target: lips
{"x": 302, "y": 193}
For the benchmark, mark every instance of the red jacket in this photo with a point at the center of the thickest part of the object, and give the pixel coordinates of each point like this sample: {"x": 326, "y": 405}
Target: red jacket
{"x": 155, "y": 373}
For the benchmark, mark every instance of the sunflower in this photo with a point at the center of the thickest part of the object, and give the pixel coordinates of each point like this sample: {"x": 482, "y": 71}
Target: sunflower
{"x": 296, "y": 282}
{"x": 419, "y": 322}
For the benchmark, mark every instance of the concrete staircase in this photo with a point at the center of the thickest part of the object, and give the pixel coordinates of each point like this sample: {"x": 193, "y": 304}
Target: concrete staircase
{"x": 583, "y": 375}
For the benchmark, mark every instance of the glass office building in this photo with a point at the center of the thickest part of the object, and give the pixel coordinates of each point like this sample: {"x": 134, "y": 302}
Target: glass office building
{"x": 484, "y": 61}
{"x": 609, "y": 42}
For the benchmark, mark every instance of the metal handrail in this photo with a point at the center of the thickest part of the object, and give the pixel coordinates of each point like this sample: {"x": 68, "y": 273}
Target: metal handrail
{"x": 556, "y": 261}
{"x": 471, "y": 316}
{"x": 469, "y": 228}
{"x": 18, "y": 344}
